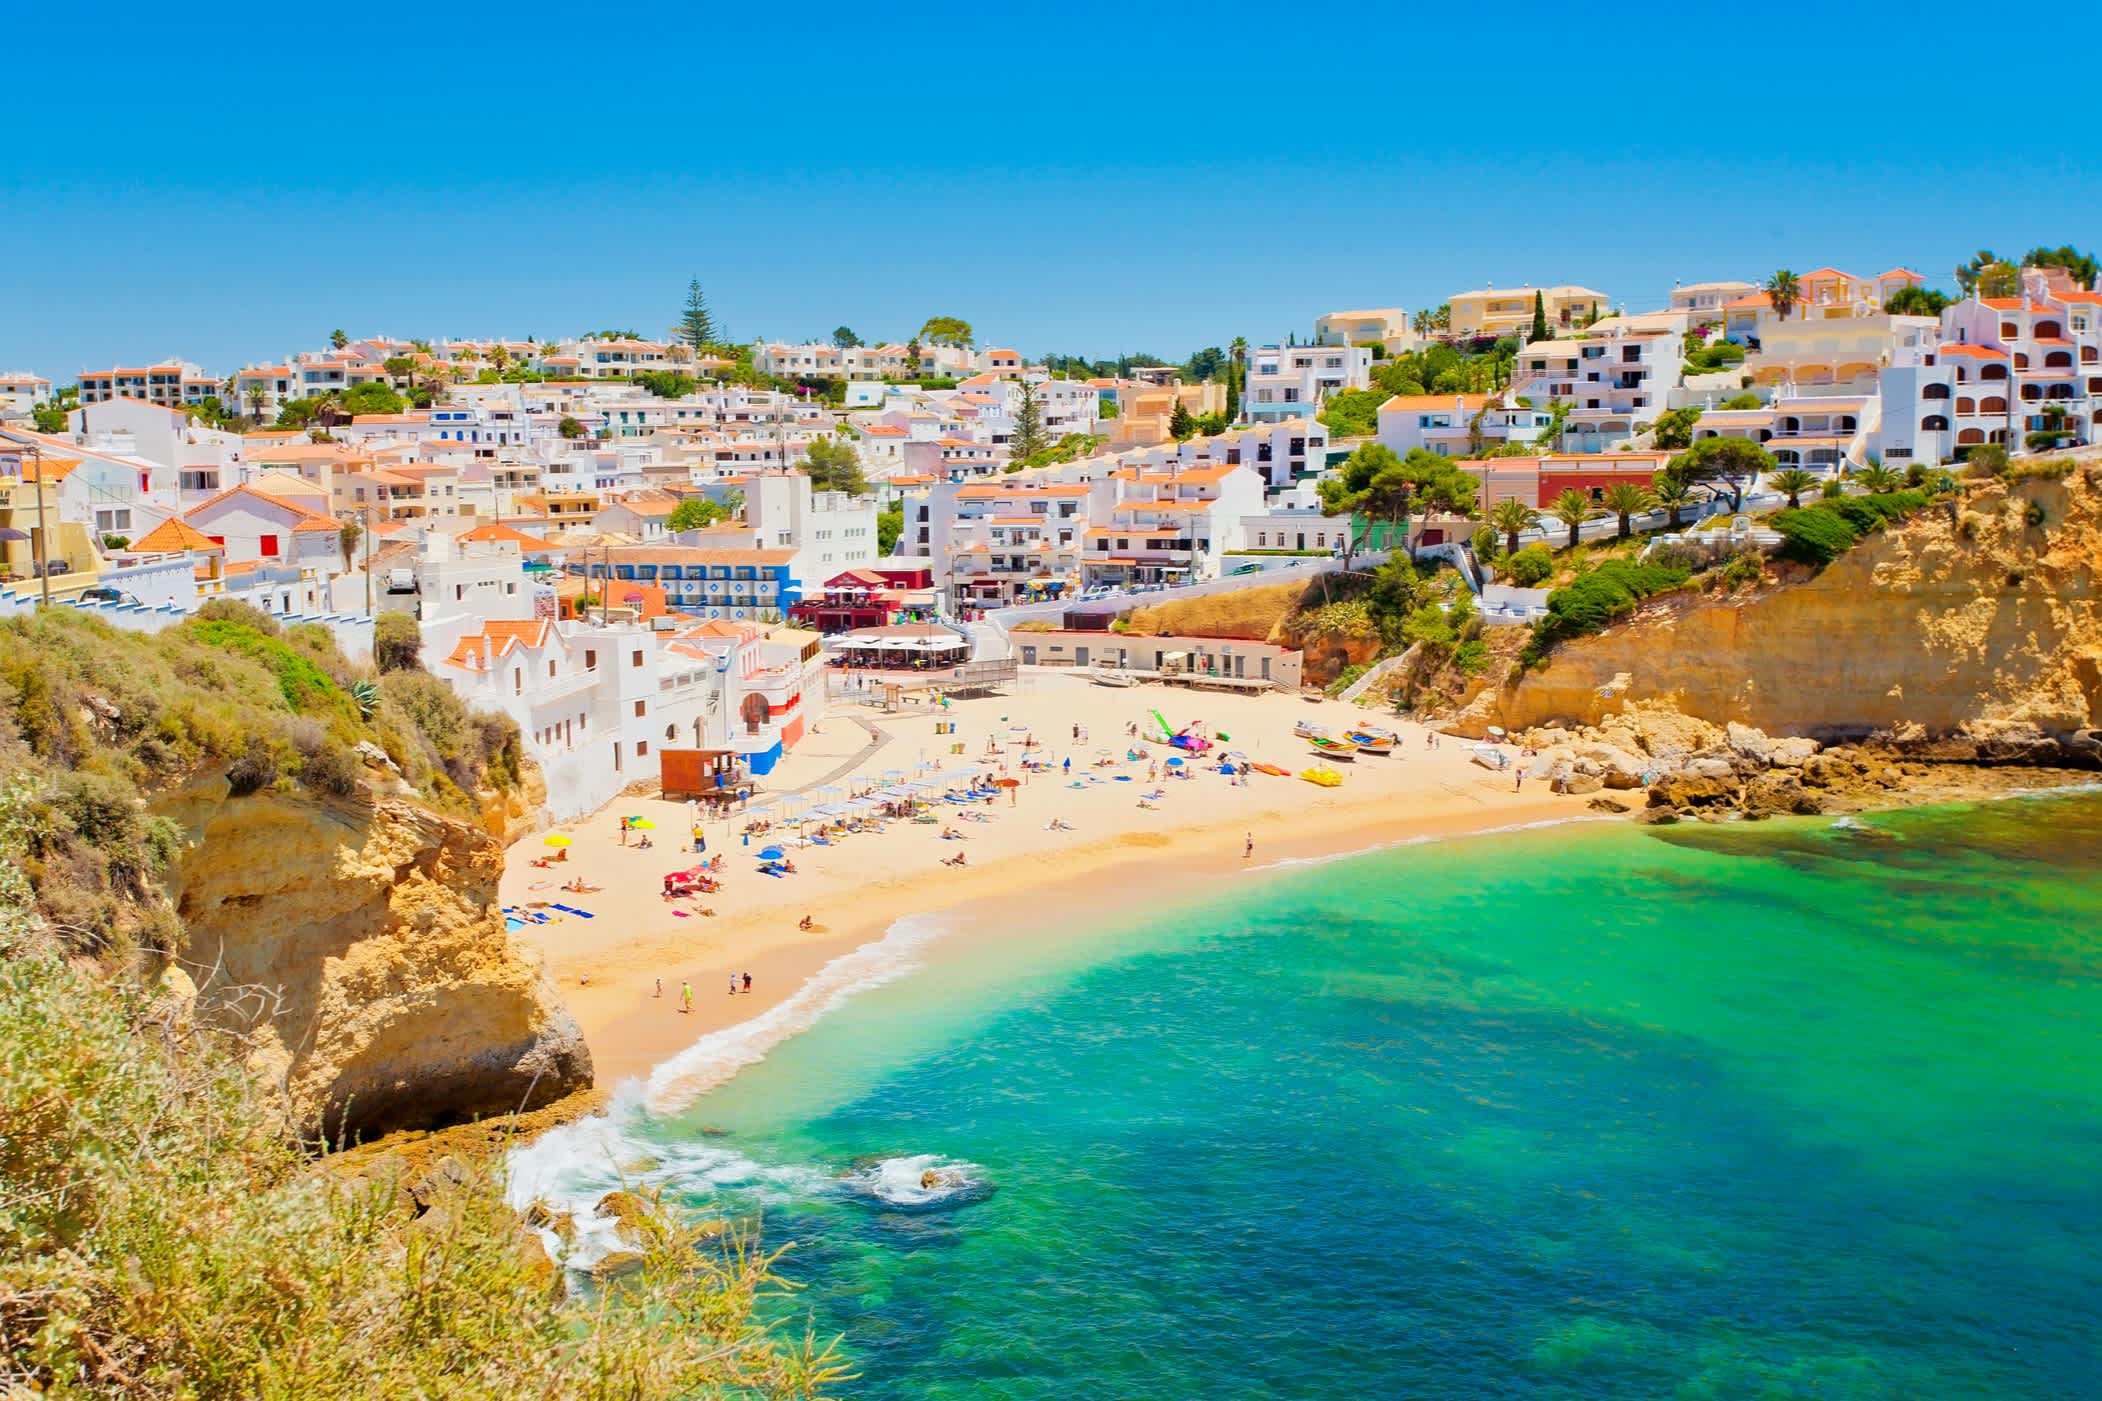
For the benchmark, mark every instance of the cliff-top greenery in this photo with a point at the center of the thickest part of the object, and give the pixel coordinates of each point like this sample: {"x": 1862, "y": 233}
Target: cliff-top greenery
{"x": 96, "y": 720}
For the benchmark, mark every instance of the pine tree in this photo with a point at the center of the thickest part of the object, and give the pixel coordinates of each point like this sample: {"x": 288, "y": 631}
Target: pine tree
{"x": 1027, "y": 440}
{"x": 1180, "y": 424}
{"x": 696, "y": 326}
{"x": 1539, "y": 317}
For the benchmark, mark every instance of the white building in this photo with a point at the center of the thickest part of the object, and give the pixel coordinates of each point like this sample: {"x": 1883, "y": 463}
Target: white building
{"x": 21, "y": 391}
{"x": 1292, "y": 381}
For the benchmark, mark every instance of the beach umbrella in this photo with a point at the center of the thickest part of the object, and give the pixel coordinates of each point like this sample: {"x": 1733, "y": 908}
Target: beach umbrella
{"x": 642, "y": 824}
{"x": 1175, "y": 763}
{"x": 893, "y": 775}
{"x": 8, "y": 532}
{"x": 771, "y": 853}
{"x": 554, "y": 839}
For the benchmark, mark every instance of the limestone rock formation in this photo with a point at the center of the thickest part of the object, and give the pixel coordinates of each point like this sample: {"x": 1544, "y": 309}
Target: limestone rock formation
{"x": 1975, "y": 627}
{"x": 363, "y": 945}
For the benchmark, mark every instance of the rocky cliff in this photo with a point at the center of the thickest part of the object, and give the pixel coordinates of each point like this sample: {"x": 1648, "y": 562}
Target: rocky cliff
{"x": 1972, "y": 631}
{"x": 364, "y": 944}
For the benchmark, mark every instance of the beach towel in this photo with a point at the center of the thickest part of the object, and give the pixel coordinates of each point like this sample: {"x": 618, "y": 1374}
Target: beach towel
{"x": 573, "y": 910}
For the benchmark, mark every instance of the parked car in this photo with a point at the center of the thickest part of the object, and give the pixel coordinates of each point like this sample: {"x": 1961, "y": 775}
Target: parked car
{"x": 103, "y": 593}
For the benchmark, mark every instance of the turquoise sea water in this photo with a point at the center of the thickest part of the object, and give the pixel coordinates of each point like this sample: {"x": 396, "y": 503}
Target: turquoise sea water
{"x": 1801, "y": 1110}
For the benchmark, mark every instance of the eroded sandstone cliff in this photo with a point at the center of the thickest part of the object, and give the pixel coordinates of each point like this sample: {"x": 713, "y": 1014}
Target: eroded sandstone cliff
{"x": 365, "y": 943}
{"x": 1973, "y": 629}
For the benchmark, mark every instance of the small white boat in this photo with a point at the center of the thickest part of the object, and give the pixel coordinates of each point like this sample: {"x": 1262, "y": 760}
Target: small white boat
{"x": 1112, "y": 678}
{"x": 1489, "y": 756}
{"x": 1307, "y": 729}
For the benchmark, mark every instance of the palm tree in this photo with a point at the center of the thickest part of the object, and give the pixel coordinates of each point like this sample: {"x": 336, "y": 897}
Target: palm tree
{"x": 1877, "y": 479}
{"x": 1423, "y": 323}
{"x": 1792, "y": 481}
{"x": 1510, "y": 516}
{"x": 256, "y": 393}
{"x": 1784, "y": 292}
{"x": 1628, "y": 500}
{"x": 1672, "y": 493}
{"x": 1572, "y": 508}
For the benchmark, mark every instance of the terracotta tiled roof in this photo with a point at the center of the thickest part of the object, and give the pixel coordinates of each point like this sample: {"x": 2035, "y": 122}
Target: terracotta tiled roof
{"x": 171, "y": 535}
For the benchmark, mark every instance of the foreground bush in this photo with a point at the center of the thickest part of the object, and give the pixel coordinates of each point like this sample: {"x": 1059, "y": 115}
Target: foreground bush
{"x": 159, "y": 1237}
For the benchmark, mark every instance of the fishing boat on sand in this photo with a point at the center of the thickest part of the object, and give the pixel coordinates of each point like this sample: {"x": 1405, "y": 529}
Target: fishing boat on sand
{"x": 1371, "y": 740}
{"x": 1307, "y": 729}
{"x": 1334, "y": 749}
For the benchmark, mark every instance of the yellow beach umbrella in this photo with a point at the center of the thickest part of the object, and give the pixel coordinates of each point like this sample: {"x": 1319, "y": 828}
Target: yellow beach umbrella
{"x": 642, "y": 824}
{"x": 554, "y": 839}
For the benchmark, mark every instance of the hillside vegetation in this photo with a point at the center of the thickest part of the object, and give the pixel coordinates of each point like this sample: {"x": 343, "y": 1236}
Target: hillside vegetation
{"x": 163, "y": 1234}
{"x": 95, "y": 720}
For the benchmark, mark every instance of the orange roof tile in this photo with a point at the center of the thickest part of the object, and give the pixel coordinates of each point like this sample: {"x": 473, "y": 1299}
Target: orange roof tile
{"x": 171, "y": 535}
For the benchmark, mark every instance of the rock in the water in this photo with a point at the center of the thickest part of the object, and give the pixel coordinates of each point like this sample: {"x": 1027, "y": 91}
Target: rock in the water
{"x": 617, "y": 1264}
{"x": 1774, "y": 794}
{"x": 1606, "y": 805}
{"x": 629, "y": 1214}
{"x": 1689, "y": 791}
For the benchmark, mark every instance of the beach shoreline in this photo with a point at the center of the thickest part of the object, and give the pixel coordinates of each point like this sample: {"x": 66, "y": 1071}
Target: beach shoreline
{"x": 1120, "y": 856}
{"x": 1121, "y": 859}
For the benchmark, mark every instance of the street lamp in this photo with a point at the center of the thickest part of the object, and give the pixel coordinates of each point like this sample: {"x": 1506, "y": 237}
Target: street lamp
{"x": 43, "y": 535}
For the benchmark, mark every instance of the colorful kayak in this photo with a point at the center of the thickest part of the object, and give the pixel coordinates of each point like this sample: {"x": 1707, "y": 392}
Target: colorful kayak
{"x": 1271, "y": 769}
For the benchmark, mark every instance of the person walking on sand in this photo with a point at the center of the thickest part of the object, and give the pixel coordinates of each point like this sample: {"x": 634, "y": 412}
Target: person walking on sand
{"x": 685, "y": 995}
{"x": 733, "y": 985}
{"x": 660, "y": 988}
{"x": 748, "y": 982}
{"x": 1248, "y": 848}
{"x": 1517, "y": 780}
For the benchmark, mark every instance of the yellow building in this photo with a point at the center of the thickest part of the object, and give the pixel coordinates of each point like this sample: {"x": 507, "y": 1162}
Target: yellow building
{"x": 1509, "y": 311}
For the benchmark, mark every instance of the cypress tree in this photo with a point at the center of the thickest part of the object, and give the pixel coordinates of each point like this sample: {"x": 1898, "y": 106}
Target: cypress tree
{"x": 1539, "y": 317}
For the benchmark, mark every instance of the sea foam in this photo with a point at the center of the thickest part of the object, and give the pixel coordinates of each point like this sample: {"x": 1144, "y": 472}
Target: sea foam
{"x": 571, "y": 1167}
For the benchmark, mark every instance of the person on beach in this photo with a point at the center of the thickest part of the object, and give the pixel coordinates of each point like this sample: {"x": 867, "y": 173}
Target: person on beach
{"x": 1248, "y": 847}
{"x": 748, "y": 982}
{"x": 685, "y": 995}
{"x": 1517, "y": 780}
{"x": 733, "y": 985}
{"x": 660, "y": 988}
{"x": 806, "y": 923}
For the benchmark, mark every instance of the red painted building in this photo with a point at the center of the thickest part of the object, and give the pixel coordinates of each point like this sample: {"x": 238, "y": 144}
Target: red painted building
{"x": 1537, "y": 481}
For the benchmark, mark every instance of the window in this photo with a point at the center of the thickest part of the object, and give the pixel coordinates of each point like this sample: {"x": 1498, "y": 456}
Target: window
{"x": 642, "y": 747}
{"x": 635, "y": 658}
{"x": 590, "y": 660}
{"x": 268, "y": 545}
{"x": 639, "y": 705}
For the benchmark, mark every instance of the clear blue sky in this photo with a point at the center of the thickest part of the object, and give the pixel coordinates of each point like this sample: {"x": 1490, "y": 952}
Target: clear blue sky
{"x": 1076, "y": 178}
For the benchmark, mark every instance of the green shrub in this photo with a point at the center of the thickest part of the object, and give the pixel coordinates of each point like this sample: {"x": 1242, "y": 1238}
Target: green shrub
{"x": 397, "y": 642}
{"x": 1818, "y": 534}
{"x": 1596, "y": 597}
{"x": 1471, "y": 656}
{"x": 1530, "y": 566}
{"x": 1743, "y": 569}
{"x": 1488, "y": 544}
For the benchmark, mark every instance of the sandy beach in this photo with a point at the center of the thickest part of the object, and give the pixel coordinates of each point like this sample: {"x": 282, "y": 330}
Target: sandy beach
{"x": 1108, "y": 847}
